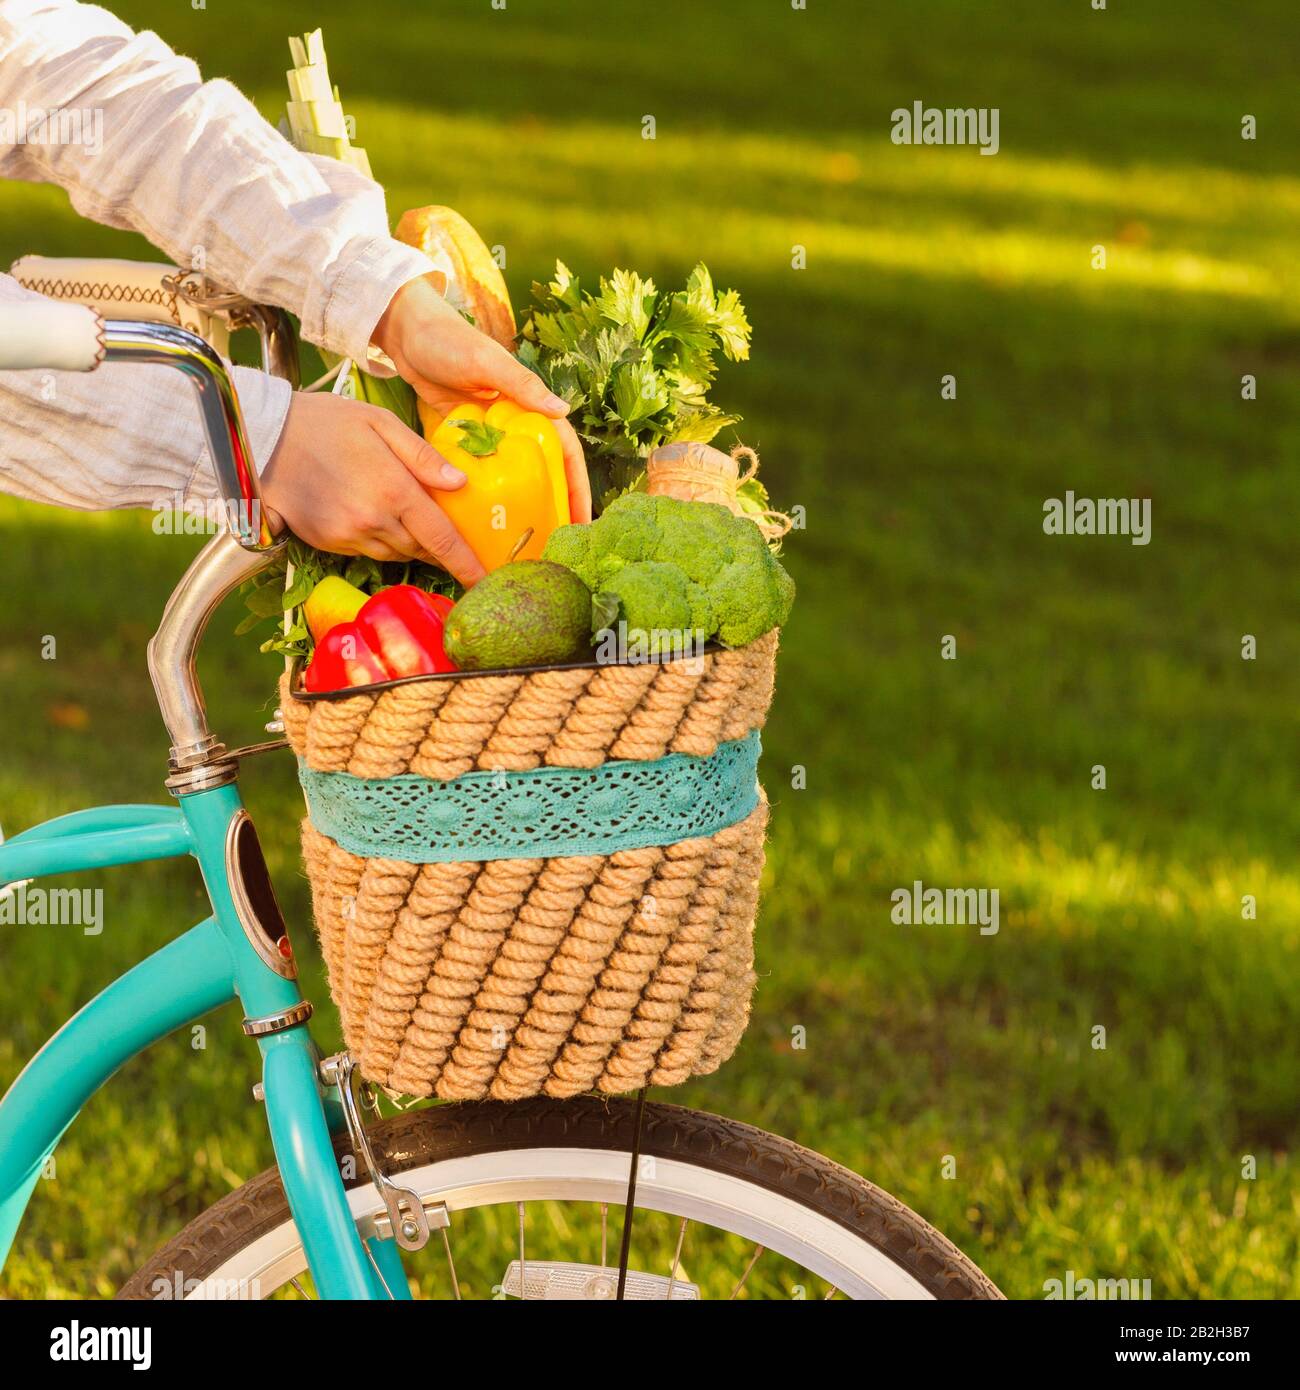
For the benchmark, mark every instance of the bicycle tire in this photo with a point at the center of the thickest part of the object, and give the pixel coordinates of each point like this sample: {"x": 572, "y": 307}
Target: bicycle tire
{"x": 710, "y": 1142}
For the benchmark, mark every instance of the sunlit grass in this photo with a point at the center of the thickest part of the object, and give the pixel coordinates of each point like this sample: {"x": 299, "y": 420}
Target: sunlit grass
{"x": 962, "y": 221}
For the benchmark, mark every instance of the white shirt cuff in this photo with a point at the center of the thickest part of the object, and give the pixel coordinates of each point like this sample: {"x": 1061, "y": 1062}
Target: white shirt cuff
{"x": 363, "y": 290}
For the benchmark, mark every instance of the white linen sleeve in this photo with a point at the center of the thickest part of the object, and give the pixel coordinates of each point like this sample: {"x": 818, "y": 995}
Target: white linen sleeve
{"x": 142, "y": 142}
{"x": 121, "y": 436}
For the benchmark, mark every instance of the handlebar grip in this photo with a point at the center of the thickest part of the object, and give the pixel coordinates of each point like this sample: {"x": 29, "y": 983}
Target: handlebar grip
{"x": 52, "y": 334}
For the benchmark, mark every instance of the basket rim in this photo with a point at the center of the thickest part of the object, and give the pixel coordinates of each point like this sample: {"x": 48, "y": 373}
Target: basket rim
{"x": 348, "y": 692}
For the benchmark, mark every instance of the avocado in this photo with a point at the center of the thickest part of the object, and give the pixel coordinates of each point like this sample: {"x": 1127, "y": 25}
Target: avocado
{"x": 527, "y": 613}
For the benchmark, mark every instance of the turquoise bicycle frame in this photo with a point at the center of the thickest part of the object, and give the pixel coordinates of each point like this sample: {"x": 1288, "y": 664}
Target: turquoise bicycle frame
{"x": 211, "y": 964}
{"x": 241, "y": 950}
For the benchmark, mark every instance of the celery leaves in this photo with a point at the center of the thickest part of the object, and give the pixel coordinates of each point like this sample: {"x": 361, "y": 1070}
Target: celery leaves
{"x": 634, "y": 363}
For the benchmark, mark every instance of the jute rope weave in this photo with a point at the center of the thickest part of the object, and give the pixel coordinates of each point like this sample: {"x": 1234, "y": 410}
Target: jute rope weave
{"x": 514, "y": 977}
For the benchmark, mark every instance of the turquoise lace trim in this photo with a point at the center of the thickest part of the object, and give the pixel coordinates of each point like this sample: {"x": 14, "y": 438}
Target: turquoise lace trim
{"x": 542, "y": 814}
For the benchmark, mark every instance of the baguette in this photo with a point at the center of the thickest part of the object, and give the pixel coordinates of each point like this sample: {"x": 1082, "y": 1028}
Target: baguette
{"x": 482, "y": 286}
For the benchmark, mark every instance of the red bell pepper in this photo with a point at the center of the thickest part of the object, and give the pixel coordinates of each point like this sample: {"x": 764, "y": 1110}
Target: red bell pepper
{"x": 343, "y": 657}
{"x": 404, "y": 625}
{"x": 442, "y": 606}
{"x": 398, "y": 632}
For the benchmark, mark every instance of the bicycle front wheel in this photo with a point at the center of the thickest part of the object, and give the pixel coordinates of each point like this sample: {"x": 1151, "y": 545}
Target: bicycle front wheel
{"x": 534, "y": 1192}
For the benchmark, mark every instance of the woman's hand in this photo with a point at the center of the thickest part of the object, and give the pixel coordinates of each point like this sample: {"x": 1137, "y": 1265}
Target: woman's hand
{"x": 350, "y": 478}
{"x": 448, "y": 361}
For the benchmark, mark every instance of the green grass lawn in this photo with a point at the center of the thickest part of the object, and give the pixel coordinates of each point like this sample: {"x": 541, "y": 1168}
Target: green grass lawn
{"x": 1120, "y": 908}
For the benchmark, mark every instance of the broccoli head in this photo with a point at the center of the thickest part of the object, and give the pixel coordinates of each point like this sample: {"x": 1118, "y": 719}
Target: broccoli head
{"x": 570, "y": 546}
{"x": 663, "y": 565}
{"x": 625, "y": 532}
{"x": 693, "y": 541}
{"x": 704, "y": 616}
{"x": 652, "y": 603}
{"x": 751, "y": 596}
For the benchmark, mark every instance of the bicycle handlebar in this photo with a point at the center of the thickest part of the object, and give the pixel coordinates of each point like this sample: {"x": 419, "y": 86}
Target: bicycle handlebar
{"x": 53, "y": 335}
{"x": 50, "y": 335}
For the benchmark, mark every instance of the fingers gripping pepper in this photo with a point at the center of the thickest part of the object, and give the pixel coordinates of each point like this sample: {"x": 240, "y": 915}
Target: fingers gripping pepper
{"x": 515, "y": 489}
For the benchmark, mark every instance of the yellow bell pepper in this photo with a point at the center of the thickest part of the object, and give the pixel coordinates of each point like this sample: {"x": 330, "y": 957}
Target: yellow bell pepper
{"x": 515, "y": 481}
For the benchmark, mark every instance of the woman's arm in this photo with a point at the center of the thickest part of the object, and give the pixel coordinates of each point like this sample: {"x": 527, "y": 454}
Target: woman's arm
{"x": 122, "y": 436}
{"x": 193, "y": 167}
{"x": 142, "y": 142}
{"x": 346, "y": 476}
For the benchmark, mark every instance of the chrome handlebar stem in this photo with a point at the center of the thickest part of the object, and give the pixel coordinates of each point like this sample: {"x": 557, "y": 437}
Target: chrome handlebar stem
{"x": 165, "y": 345}
{"x": 197, "y": 758}
{"x": 219, "y": 568}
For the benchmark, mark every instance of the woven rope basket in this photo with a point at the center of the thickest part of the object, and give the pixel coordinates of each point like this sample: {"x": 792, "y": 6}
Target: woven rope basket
{"x": 510, "y": 977}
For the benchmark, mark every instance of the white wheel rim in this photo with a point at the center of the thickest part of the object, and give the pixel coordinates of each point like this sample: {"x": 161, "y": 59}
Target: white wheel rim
{"x": 721, "y": 1200}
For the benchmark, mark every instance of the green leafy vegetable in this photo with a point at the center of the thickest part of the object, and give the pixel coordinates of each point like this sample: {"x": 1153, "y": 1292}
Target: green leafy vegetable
{"x": 659, "y": 563}
{"x": 635, "y": 364}
{"x": 267, "y": 597}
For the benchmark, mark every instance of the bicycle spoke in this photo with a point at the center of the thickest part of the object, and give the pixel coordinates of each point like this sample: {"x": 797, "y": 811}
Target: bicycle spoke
{"x": 753, "y": 1260}
{"x": 374, "y": 1264}
{"x": 678, "y": 1277}
{"x": 629, "y": 1209}
{"x": 677, "y": 1259}
{"x": 451, "y": 1265}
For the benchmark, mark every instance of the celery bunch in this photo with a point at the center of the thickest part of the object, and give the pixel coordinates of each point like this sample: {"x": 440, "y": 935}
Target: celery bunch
{"x": 635, "y": 364}
{"x": 314, "y": 122}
